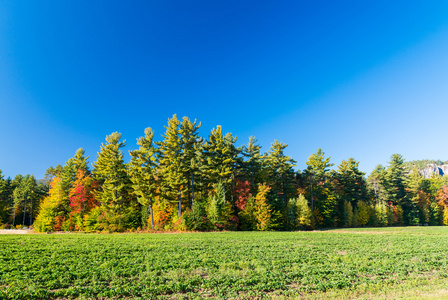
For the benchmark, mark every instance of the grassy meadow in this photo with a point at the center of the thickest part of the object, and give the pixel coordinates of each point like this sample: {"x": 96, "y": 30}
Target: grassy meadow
{"x": 368, "y": 263}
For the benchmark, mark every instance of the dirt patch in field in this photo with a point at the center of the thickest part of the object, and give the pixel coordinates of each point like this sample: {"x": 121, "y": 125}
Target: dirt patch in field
{"x": 15, "y": 231}
{"x": 353, "y": 232}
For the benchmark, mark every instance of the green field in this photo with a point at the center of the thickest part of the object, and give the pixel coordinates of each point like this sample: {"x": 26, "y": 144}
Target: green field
{"x": 409, "y": 262}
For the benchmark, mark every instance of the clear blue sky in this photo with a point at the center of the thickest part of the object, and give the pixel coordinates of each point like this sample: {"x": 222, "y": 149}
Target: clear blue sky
{"x": 362, "y": 79}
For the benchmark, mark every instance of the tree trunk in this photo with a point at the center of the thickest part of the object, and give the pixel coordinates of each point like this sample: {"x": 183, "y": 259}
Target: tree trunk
{"x": 31, "y": 216}
{"x": 189, "y": 198}
{"x": 284, "y": 192}
{"x": 252, "y": 182}
{"x": 224, "y": 190}
{"x": 179, "y": 208}
{"x": 311, "y": 190}
{"x": 192, "y": 190}
{"x": 152, "y": 217}
{"x": 232, "y": 189}
{"x": 24, "y": 213}
{"x": 14, "y": 217}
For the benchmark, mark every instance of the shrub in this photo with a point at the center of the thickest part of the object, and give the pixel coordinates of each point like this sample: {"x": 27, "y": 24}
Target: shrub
{"x": 91, "y": 219}
{"x": 347, "y": 216}
{"x": 196, "y": 219}
{"x": 364, "y": 213}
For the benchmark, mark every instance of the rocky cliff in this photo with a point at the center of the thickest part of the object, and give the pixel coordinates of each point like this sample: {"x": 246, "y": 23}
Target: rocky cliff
{"x": 433, "y": 168}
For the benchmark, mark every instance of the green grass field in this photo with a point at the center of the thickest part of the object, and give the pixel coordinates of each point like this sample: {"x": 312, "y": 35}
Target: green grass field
{"x": 384, "y": 263}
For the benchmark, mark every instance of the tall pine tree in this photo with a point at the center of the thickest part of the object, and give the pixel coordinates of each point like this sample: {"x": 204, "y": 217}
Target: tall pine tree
{"x": 110, "y": 172}
{"x": 172, "y": 168}
{"x": 189, "y": 144}
{"x": 142, "y": 172}
{"x": 221, "y": 157}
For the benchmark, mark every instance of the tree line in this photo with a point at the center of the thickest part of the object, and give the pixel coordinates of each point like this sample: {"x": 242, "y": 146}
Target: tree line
{"x": 186, "y": 182}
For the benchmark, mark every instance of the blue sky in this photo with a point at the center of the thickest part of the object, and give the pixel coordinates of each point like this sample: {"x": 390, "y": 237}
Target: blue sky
{"x": 362, "y": 79}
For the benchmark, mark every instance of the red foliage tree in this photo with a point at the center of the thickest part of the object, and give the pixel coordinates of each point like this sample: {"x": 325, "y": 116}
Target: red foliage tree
{"x": 82, "y": 198}
{"x": 242, "y": 193}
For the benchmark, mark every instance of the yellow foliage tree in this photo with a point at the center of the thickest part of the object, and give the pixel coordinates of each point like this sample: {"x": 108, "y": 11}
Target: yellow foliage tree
{"x": 445, "y": 216}
{"x": 46, "y": 219}
{"x": 263, "y": 213}
{"x": 363, "y": 213}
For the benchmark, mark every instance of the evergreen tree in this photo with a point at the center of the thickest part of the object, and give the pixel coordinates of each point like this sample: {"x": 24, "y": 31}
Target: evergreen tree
{"x": 218, "y": 211}
{"x": 80, "y": 162}
{"x": 253, "y": 163}
{"x": 26, "y": 197}
{"x": 347, "y": 216}
{"x": 142, "y": 172}
{"x": 110, "y": 172}
{"x": 395, "y": 186}
{"x": 280, "y": 173}
{"x": 299, "y": 213}
{"x": 4, "y": 199}
{"x": 15, "y": 207}
{"x": 320, "y": 189}
{"x": 52, "y": 172}
{"x": 350, "y": 186}
{"x": 172, "y": 167}
{"x": 246, "y": 215}
{"x": 221, "y": 156}
{"x": 376, "y": 184}
{"x": 349, "y": 182}
{"x": 190, "y": 143}
{"x": 414, "y": 181}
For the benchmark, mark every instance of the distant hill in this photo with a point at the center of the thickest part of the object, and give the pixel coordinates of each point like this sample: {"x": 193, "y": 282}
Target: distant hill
{"x": 43, "y": 181}
{"x": 428, "y": 167}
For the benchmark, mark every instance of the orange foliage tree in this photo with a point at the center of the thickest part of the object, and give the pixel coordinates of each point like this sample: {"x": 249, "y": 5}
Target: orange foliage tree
{"x": 82, "y": 199}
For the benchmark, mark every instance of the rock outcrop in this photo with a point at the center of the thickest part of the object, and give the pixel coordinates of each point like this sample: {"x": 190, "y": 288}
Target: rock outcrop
{"x": 433, "y": 168}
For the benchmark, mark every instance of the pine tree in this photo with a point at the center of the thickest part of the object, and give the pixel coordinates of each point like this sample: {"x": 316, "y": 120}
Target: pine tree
{"x": 52, "y": 172}
{"x": 246, "y": 216}
{"x": 395, "y": 186}
{"x": 216, "y": 206}
{"x": 142, "y": 172}
{"x": 26, "y": 196}
{"x": 280, "y": 173}
{"x": 253, "y": 164}
{"x": 376, "y": 184}
{"x": 350, "y": 186}
{"x": 110, "y": 172}
{"x": 80, "y": 162}
{"x": 349, "y": 182}
{"x": 221, "y": 157}
{"x": 172, "y": 167}
{"x": 4, "y": 203}
{"x": 190, "y": 143}
{"x": 320, "y": 189}
{"x": 347, "y": 220}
